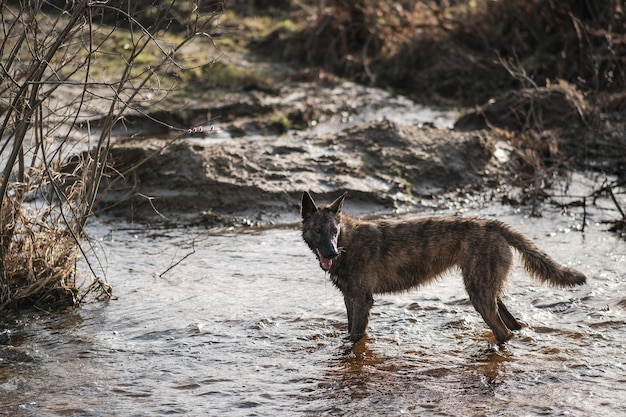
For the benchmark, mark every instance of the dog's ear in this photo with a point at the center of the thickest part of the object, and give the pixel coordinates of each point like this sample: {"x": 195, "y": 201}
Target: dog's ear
{"x": 336, "y": 205}
{"x": 308, "y": 207}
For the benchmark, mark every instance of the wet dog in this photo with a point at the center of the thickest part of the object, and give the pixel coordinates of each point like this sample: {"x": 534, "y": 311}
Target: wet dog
{"x": 374, "y": 257}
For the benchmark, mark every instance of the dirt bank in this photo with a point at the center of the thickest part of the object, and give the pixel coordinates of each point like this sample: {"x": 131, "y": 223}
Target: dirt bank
{"x": 256, "y": 151}
{"x": 260, "y": 179}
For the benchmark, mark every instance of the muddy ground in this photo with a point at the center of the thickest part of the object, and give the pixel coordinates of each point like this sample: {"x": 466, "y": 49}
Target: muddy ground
{"x": 248, "y": 164}
{"x": 246, "y": 159}
{"x": 380, "y": 163}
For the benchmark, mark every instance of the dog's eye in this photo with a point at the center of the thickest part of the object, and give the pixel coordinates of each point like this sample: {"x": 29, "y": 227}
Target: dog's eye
{"x": 318, "y": 230}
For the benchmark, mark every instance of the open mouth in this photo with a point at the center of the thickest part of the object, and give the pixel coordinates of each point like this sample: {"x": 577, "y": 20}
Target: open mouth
{"x": 325, "y": 263}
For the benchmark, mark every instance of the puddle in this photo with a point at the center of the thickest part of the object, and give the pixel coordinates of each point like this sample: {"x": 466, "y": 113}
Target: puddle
{"x": 245, "y": 323}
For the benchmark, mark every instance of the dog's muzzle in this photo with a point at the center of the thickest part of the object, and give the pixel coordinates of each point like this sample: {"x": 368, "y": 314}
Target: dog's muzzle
{"x": 326, "y": 261}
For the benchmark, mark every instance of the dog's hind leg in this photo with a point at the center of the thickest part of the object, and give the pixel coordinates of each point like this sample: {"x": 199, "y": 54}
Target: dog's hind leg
{"x": 507, "y": 317}
{"x": 485, "y": 269}
{"x": 484, "y": 290}
{"x": 488, "y": 309}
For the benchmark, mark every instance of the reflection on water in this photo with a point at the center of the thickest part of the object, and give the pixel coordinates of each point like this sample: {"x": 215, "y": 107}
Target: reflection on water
{"x": 247, "y": 324}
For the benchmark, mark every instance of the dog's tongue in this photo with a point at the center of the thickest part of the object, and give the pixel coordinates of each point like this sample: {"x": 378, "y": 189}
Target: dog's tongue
{"x": 325, "y": 262}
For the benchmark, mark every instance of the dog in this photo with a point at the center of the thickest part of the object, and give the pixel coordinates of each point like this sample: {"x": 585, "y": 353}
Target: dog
{"x": 365, "y": 258}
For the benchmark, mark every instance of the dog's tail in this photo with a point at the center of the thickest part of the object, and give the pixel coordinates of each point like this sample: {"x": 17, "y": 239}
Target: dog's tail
{"x": 539, "y": 264}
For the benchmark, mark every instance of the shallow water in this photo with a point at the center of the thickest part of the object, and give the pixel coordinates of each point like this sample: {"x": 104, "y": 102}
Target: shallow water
{"x": 245, "y": 323}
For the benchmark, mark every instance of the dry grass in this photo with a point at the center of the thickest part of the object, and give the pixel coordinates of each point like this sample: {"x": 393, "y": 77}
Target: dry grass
{"x": 40, "y": 267}
{"x": 41, "y": 248}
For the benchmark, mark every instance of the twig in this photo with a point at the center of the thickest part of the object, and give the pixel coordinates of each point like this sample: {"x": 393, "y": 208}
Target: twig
{"x": 174, "y": 265}
{"x": 152, "y": 205}
{"x": 619, "y": 208}
{"x": 584, "y": 214}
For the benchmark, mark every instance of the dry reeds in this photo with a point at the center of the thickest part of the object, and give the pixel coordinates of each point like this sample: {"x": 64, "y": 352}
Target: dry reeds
{"x": 40, "y": 266}
{"x": 456, "y": 49}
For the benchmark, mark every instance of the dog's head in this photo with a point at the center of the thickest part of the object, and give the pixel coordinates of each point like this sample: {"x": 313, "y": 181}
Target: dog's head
{"x": 321, "y": 226}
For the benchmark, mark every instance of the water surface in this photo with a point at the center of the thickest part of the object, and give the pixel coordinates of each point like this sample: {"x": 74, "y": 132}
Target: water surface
{"x": 244, "y": 323}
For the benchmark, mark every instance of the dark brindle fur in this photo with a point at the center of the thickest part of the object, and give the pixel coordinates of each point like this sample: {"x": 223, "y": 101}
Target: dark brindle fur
{"x": 374, "y": 257}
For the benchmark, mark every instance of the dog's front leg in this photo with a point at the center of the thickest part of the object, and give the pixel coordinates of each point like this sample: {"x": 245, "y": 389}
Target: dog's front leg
{"x": 349, "y": 303}
{"x": 361, "y": 305}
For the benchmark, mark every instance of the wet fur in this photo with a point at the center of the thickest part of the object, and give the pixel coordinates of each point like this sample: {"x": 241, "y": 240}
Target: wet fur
{"x": 365, "y": 258}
